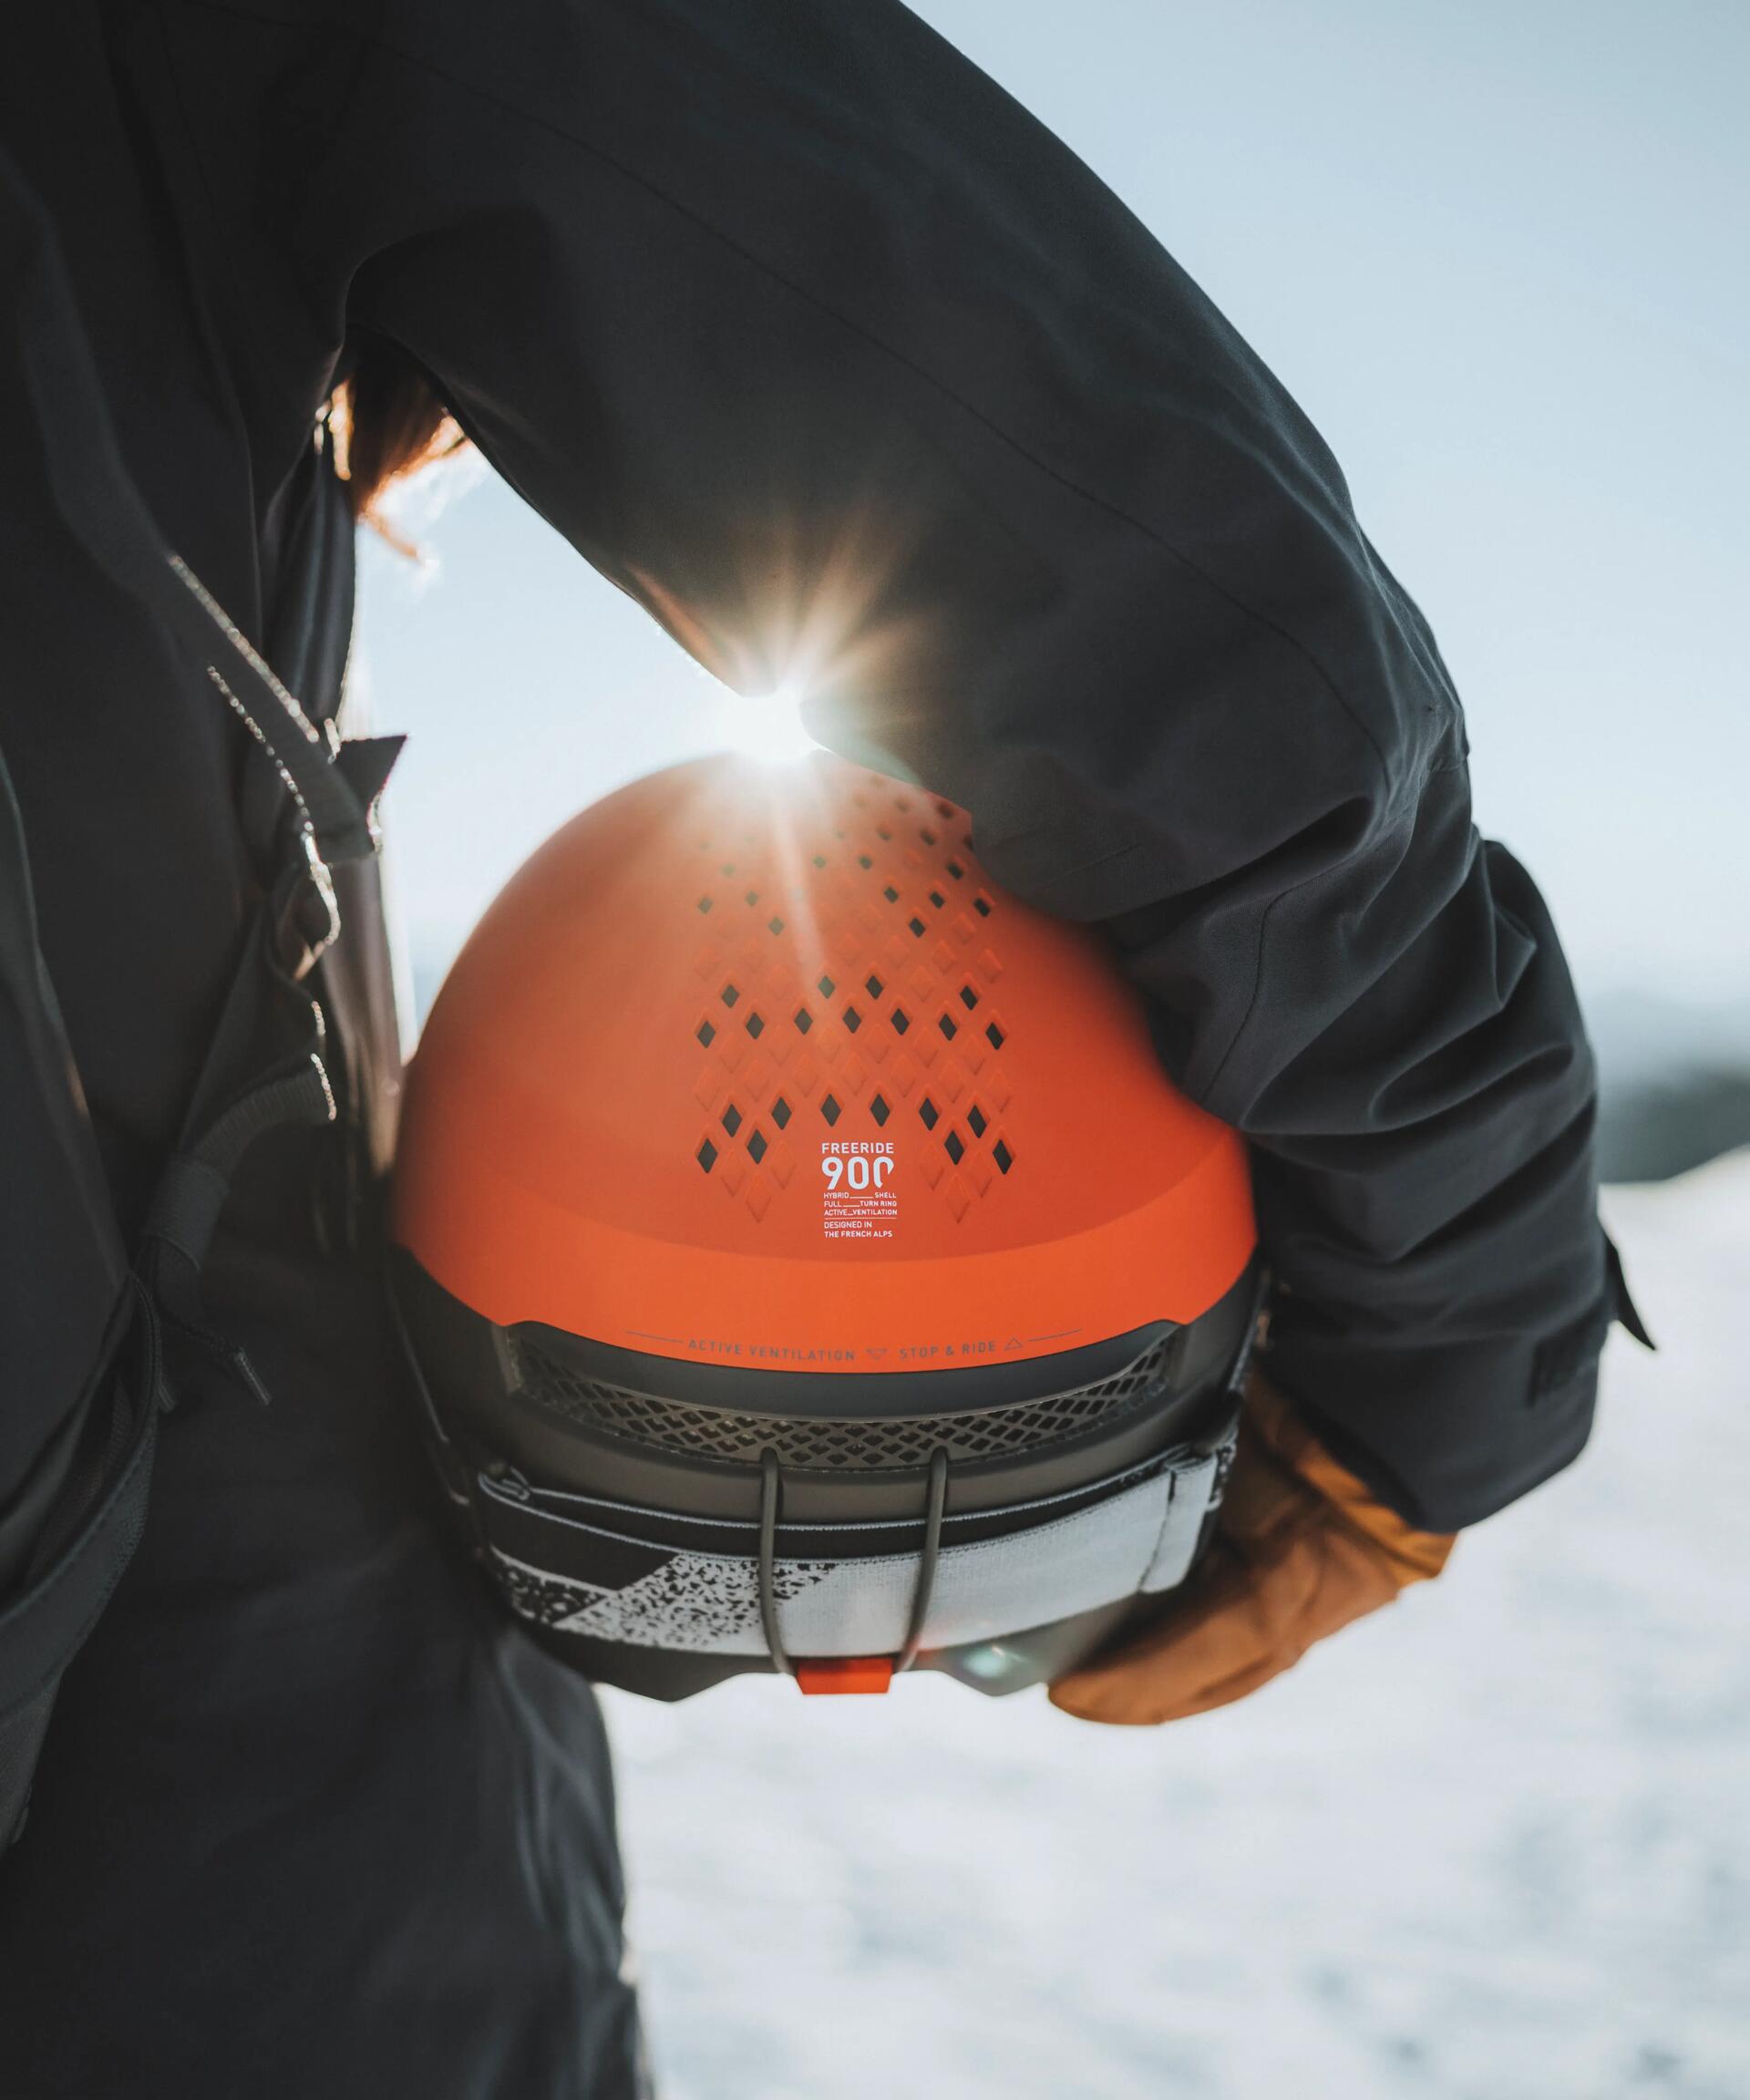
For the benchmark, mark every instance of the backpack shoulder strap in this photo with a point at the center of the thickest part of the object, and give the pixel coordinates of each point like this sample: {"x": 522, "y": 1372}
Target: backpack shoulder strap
{"x": 66, "y": 1538}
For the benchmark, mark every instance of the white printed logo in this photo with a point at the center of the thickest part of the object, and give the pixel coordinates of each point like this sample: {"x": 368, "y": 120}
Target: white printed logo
{"x": 858, "y": 1200}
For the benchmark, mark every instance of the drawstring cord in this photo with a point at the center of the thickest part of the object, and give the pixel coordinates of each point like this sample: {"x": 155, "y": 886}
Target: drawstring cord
{"x": 926, "y": 1587}
{"x": 770, "y": 1493}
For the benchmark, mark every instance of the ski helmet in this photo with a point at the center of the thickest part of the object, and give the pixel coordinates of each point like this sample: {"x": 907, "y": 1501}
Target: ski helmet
{"x": 805, "y": 1261}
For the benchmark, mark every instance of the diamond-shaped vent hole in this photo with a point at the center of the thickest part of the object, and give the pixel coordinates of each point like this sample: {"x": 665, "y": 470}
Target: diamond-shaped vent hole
{"x": 949, "y": 1026}
{"x": 931, "y": 1114}
{"x": 757, "y": 1148}
{"x": 730, "y": 994}
{"x": 732, "y": 1119}
{"x": 707, "y": 1155}
{"x": 981, "y": 905}
{"x": 804, "y": 1019}
{"x": 873, "y": 985}
{"x": 900, "y": 1019}
{"x": 968, "y": 997}
{"x": 879, "y": 1110}
{"x": 994, "y": 1036}
{"x": 955, "y": 1145}
{"x": 706, "y": 1034}
{"x": 1004, "y": 1159}
{"x": 830, "y": 1110}
{"x": 780, "y": 1111}
{"x": 863, "y": 860}
{"x": 705, "y": 903}
{"x": 755, "y": 1026}
{"x": 826, "y": 987}
{"x": 853, "y": 1019}
{"x": 956, "y": 871}
{"x": 917, "y": 927}
{"x": 892, "y": 894}
{"x": 775, "y": 924}
{"x": 937, "y": 898}
{"x": 888, "y": 1443}
{"x": 753, "y": 897}
{"x": 977, "y": 1123}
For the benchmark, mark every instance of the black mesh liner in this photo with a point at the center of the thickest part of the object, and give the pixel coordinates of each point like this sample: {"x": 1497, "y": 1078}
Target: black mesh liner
{"x": 891, "y": 1442}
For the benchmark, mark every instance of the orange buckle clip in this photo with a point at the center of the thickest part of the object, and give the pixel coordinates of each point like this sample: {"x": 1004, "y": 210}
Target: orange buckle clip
{"x": 846, "y": 1673}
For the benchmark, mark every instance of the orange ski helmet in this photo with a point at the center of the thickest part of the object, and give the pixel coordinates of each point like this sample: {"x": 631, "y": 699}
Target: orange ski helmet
{"x": 806, "y": 1260}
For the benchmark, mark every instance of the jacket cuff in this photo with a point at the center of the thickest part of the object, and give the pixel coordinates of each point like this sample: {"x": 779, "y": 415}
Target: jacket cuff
{"x": 1445, "y": 1434}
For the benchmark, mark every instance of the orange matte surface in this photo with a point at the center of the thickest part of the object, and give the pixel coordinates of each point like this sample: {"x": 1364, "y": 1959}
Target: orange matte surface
{"x": 846, "y": 1673}
{"x": 624, "y": 1109}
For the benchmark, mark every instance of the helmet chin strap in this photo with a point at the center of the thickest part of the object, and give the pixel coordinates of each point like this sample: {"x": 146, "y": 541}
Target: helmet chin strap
{"x": 770, "y": 1492}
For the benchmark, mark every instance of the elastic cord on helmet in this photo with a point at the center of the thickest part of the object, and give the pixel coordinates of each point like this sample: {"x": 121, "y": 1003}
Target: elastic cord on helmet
{"x": 770, "y": 1490}
{"x": 925, "y": 1590}
{"x": 769, "y": 1484}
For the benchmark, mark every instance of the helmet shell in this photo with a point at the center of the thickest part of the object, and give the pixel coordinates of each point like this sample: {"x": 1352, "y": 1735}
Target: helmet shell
{"x": 756, "y": 1066}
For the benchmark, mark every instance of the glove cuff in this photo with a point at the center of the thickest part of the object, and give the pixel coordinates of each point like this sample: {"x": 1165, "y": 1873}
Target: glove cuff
{"x": 1413, "y": 1556}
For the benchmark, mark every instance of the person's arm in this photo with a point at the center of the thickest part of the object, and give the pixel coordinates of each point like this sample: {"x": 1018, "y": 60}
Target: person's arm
{"x": 821, "y": 346}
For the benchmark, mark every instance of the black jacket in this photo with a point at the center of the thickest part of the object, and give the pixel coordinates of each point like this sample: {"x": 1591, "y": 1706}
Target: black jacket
{"x": 821, "y": 348}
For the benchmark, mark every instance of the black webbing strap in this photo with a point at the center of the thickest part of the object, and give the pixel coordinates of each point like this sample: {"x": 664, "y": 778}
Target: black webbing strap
{"x": 264, "y": 1067}
{"x": 107, "y": 513}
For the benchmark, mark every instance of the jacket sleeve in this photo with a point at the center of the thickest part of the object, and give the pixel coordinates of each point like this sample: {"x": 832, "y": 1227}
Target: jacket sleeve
{"x": 817, "y": 343}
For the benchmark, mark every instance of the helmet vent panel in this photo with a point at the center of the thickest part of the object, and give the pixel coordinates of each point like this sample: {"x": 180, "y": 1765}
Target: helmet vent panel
{"x": 878, "y": 912}
{"x": 886, "y": 1443}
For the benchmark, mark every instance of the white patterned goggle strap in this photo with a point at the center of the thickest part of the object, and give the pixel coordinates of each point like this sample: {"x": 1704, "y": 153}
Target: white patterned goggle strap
{"x": 617, "y": 1573}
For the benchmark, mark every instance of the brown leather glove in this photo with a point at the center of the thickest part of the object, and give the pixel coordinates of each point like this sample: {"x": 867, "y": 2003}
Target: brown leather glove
{"x": 1301, "y": 1549}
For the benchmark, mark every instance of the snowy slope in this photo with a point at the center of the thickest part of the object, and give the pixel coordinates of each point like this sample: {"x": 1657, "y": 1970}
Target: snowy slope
{"x": 1494, "y": 1844}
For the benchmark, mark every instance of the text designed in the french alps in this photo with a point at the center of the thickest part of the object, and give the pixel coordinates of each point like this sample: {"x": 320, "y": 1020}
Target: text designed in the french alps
{"x": 858, "y": 1198}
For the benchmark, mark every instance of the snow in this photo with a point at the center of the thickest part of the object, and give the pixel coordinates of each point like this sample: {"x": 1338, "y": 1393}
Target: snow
{"x": 1491, "y": 1845}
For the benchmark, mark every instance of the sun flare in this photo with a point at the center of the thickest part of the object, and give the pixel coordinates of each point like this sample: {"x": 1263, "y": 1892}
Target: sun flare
{"x": 765, "y": 725}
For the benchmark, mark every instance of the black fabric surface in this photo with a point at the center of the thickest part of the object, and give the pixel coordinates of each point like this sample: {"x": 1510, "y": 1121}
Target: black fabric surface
{"x": 817, "y": 344}
{"x": 312, "y": 1818}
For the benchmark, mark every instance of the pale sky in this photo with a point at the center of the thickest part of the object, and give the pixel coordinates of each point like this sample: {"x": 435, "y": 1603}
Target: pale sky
{"x": 1497, "y": 251}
